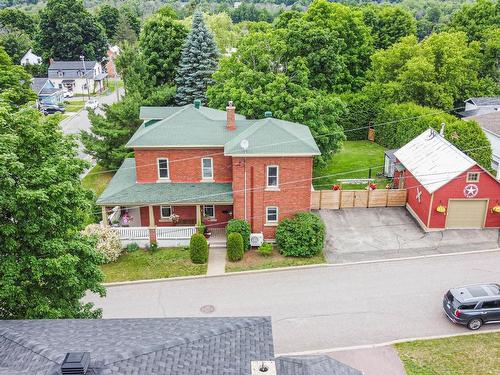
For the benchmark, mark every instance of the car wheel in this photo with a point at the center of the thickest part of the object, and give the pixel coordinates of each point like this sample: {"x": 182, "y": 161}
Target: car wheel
{"x": 474, "y": 324}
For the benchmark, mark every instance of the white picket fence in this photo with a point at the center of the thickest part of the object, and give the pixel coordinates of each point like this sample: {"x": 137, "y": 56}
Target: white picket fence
{"x": 165, "y": 234}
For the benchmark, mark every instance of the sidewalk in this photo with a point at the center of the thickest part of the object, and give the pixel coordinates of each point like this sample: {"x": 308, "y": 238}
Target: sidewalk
{"x": 216, "y": 261}
{"x": 372, "y": 361}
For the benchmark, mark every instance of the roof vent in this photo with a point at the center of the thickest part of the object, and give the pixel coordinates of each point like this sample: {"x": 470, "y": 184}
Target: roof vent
{"x": 268, "y": 114}
{"x": 263, "y": 368}
{"x": 76, "y": 363}
{"x": 441, "y": 132}
{"x": 197, "y": 103}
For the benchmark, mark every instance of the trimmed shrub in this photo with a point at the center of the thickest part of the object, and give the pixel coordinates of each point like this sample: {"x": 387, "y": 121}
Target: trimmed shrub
{"x": 301, "y": 236}
{"x": 235, "y": 247}
{"x": 131, "y": 247}
{"x": 198, "y": 249}
{"x": 241, "y": 227}
{"x": 153, "y": 247}
{"x": 108, "y": 241}
{"x": 360, "y": 111}
{"x": 266, "y": 249}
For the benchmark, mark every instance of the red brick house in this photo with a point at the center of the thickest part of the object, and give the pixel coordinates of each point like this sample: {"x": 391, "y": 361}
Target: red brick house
{"x": 195, "y": 164}
{"x": 446, "y": 188}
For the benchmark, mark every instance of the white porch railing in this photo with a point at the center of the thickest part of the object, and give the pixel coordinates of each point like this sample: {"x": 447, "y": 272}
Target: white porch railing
{"x": 174, "y": 233}
{"x": 132, "y": 233}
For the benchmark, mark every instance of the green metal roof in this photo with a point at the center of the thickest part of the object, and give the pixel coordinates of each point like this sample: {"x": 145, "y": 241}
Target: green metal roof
{"x": 271, "y": 136}
{"x": 124, "y": 190}
{"x": 188, "y": 126}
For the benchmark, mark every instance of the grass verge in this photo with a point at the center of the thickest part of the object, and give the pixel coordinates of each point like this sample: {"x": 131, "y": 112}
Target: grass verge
{"x": 144, "y": 265}
{"x": 252, "y": 260}
{"x": 97, "y": 179}
{"x": 472, "y": 354}
{"x": 74, "y": 105}
{"x": 356, "y": 156}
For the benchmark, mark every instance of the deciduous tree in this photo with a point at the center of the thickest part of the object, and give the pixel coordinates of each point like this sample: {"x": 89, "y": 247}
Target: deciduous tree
{"x": 46, "y": 266}
{"x": 14, "y": 83}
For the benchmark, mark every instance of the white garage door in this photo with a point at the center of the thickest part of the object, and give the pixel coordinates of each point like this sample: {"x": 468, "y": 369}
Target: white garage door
{"x": 466, "y": 213}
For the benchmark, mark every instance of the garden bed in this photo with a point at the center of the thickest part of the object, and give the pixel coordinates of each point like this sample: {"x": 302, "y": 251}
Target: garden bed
{"x": 471, "y": 354}
{"x": 353, "y": 161}
{"x": 144, "y": 265}
{"x": 252, "y": 260}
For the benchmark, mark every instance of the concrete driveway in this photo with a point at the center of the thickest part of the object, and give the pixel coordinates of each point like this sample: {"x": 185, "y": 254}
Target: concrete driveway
{"x": 358, "y": 234}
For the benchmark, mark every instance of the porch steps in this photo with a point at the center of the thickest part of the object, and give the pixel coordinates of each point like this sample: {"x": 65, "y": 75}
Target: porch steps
{"x": 217, "y": 244}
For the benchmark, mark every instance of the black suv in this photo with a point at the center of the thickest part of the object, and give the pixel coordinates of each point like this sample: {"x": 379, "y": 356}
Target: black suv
{"x": 473, "y": 305}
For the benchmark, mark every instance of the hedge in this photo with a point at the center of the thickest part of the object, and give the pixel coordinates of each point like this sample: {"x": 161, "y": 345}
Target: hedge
{"x": 241, "y": 227}
{"x": 398, "y": 124}
{"x": 235, "y": 247}
{"x": 301, "y": 236}
{"x": 198, "y": 248}
{"x": 360, "y": 112}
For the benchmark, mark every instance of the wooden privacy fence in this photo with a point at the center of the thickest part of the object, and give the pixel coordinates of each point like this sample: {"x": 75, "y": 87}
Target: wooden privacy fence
{"x": 335, "y": 199}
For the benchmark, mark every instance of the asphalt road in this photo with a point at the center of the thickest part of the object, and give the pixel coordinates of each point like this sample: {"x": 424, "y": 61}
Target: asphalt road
{"x": 320, "y": 308}
{"x": 80, "y": 121}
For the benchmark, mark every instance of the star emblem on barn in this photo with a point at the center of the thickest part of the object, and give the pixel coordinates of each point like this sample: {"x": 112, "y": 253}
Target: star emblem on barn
{"x": 470, "y": 191}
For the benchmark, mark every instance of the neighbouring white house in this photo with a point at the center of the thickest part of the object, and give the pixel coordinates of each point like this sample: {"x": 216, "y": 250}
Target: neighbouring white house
{"x": 490, "y": 123}
{"x": 30, "y": 58}
{"x": 78, "y": 76}
{"x": 480, "y": 106}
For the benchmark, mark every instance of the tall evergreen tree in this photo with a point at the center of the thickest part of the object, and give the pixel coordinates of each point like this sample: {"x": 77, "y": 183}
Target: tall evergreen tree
{"x": 198, "y": 62}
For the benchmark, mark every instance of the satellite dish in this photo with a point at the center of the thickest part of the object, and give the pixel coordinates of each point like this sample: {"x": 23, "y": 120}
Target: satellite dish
{"x": 244, "y": 144}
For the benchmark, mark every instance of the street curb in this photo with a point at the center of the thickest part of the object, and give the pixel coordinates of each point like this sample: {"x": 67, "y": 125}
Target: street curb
{"x": 388, "y": 343}
{"x": 293, "y": 268}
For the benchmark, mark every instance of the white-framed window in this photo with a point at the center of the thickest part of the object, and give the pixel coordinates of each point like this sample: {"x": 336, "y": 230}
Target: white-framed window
{"x": 163, "y": 171}
{"x": 271, "y": 214}
{"x": 165, "y": 212}
{"x": 209, "y": 211}
{"x": 207, "y": 169}
{"x": 272, "y": 176}
{"x": 473, "y": 176}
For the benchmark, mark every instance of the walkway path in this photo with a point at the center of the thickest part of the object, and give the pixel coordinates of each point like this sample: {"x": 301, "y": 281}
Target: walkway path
{"x": 216, "y": 261}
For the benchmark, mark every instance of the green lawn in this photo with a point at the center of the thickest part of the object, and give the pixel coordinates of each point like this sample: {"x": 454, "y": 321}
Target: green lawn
{"x": 74, "y": 105}
{"x": 97, "y": 180}
{"x": 252, "y": 260}
{"x": 473, "y": 354}
{"x": 352, "y": 161}
{"x": 143, "y": 265}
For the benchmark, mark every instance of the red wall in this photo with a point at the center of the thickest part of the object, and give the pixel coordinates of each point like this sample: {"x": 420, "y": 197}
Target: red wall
{"x": 421, "y": 208}
{"x": 295, "y": 175}
{"x": 187, "y": 216}
{"x": 184, "y": 164}
{"x": 489, "y": 188}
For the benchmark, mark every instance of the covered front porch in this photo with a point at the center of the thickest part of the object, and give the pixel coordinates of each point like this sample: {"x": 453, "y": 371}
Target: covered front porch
{"x": 167, "y": 225}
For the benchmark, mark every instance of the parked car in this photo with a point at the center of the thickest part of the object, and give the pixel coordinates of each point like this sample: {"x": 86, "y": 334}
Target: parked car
{"x": 92, "y": 104}
{"x": 49, "y": 109}
{"x": 473, "y": 305}
{"x": 68, "y": 94}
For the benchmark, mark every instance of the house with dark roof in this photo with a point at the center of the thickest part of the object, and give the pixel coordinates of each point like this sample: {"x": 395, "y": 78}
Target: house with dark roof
{"x": 195, "y": 165}
{"x": 490, "y": 123}
{"x": 480, "y": 106}
{"x": 161, "y": 346}
{"x": 48, "y": 93}
{"x": 79, "y": 77}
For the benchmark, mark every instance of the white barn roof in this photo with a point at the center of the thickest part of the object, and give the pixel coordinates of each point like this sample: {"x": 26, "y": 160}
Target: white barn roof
{"x": 433, "y": 160}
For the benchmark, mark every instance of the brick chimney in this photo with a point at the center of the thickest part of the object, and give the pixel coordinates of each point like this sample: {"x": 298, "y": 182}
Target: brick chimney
{"x": 231, "y": 116}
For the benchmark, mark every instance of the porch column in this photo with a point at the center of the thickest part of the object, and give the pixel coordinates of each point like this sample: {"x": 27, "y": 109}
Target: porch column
{"x": 198, "y": 215}
{"x": 152, "y": 225}
{"x": 104, "y": 216}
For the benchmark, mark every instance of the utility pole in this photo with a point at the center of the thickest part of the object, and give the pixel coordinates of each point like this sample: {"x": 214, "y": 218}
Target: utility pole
{"x": 85, "y": 73}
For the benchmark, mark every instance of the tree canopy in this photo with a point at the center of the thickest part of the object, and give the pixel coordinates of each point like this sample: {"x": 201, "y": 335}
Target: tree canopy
{"x": 67, "y": 31}
{"x": 46, "y": 266}
{"x": 15, "y": 87}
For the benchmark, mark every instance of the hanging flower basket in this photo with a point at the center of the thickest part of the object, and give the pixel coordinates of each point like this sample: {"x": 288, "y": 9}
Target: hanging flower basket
{"x": 496, "y": 209}
{"x": 336, "y": 187}
{"x": 441, "y": 209}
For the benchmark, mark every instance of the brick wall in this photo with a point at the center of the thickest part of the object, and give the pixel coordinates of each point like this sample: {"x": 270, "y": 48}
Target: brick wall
{"x": 184, "y": 164}
{"x": 294, "y": 193}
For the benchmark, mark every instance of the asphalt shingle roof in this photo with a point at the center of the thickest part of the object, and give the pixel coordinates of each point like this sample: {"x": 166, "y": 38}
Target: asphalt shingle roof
{"x": 313, "y": 365}
{"x": 188, "y": 126}
{"x": 37, "y": 84}
{"x": 123, "y": 190}
{"x": 173, "y": 346}
{"x": 72, "y": 65}
{"x": 485, "y": 100}
{"x": 489, "y": 121}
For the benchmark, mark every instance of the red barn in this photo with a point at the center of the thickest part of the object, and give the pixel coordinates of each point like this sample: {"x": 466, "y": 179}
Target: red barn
{"x": 446, "y": 188}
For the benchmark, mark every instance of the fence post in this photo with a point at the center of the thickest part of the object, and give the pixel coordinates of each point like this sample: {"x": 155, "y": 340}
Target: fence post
{"x": 340, "y": 198}
{"x": 368, "y": 198}
{"x": 386, "y": 197}
{"x": 320, "y": 199}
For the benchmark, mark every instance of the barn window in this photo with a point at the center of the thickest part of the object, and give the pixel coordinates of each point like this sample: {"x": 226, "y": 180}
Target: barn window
{"x": 473, "y": 177}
